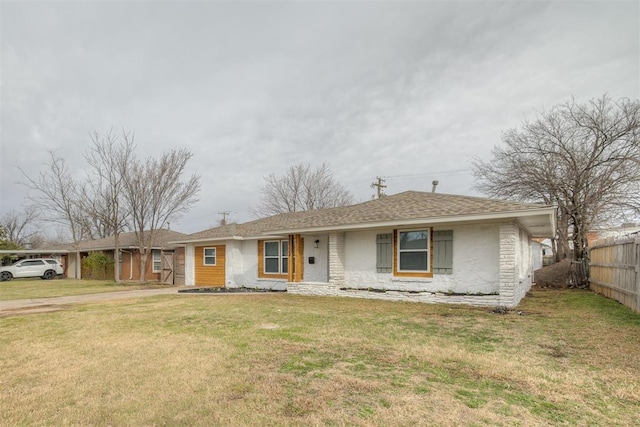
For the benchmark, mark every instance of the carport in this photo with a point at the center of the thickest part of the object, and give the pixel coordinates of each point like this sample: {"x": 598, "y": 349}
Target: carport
{"x": 59, "y": 254}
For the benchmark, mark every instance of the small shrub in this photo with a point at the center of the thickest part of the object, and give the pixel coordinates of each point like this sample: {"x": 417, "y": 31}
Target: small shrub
{"x": 97, "y": 265}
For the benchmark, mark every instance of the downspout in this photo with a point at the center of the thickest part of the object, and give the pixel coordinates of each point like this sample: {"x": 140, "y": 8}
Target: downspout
{"x": 130, "y": 264}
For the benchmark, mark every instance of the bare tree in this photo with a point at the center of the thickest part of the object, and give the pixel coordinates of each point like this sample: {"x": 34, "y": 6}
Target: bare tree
{"x": 583, "y": 158}
{"x": 301, "y": 189}
{"x": 109, "y": 157}
{"x": 55, "y": 193}
{"x": 93, "y": 226}
{"x": 19, "y": 226}
{"x": 153, "y": 194}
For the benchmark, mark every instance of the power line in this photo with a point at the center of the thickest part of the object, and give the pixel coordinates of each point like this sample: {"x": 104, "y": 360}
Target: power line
{"x": 425, "y": 174}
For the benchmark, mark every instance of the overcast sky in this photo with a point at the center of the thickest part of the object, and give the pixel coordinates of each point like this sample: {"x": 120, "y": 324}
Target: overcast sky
{"x": 410, "y": 91}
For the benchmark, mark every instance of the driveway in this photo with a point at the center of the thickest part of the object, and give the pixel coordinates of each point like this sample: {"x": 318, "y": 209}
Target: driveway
{"x": 38, "y": 305}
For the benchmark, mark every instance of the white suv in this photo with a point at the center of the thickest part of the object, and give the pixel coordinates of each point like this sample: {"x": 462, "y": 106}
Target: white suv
{"x": 37, "y": 267}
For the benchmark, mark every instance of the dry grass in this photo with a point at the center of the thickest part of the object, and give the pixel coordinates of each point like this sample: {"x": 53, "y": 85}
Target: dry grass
{"x": 571, "y": 359}
{"x": 28, "y": 288}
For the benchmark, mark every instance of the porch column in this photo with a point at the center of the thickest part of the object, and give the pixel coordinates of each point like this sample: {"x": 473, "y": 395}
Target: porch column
{"x": 336, "y": 259}
{"x": 296, "y": 258}
{"x": 508, "y": 267}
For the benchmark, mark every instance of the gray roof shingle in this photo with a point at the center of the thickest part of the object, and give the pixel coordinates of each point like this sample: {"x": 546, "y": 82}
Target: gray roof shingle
{"x": 409, "y": 205}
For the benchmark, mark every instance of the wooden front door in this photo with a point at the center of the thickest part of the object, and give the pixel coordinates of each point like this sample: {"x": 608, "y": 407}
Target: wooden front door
{"x": 167, "y": 268}
{"x": 178, "y": 266}
{"x": 296, "y": 258}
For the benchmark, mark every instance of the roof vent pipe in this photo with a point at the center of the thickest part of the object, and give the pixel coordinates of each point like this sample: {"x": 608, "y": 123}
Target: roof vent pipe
{"x": 435, "y": 184}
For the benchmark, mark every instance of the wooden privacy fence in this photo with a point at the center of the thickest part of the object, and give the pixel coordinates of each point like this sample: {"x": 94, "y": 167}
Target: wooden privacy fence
{"x": 614, "y": 270}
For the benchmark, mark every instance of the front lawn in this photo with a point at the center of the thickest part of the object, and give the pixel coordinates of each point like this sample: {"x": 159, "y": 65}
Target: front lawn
{"x": 37, "y": 288}
{"x": 569, "y": 358}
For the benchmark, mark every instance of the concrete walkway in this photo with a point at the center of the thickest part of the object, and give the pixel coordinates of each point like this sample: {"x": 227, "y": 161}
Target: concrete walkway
{"x": 20, "y": 304}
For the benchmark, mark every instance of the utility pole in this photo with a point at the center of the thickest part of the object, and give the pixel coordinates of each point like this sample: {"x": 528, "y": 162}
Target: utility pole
{"x": 379, "y": 185}
{"x": 224, "y": 214}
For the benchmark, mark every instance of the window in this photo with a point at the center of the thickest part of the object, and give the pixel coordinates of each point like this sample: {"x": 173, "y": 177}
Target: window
{"x": 413, "y": 251}
{"x": 157, "y": 261}
{"x": 32, "y": 262}
{"x": 209, "y": 256}
{"x": 276, "y": 257}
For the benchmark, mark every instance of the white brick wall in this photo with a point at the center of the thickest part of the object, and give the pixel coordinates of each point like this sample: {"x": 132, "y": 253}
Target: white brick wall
{"x": 313, "y": 288}
{"x": 190, "y": 265}
{"x": 515, "y": 264}
{"x": 425, "y": 297}
{"x": 475, "y": 263}
{"x": 336, "y": 259}
{"x": 273, "y": 284}
{"x": 326, "y": 289}
{"x": 233, "y": 267}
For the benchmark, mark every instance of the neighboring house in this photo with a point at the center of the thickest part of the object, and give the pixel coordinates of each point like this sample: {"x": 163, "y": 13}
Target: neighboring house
{"x": 165, "y": 263}
{"x": 623, "y": 230}
{"x": 411, "y": 246}
{"x": 542, "y": 253}
{"x": 10, "y": 256}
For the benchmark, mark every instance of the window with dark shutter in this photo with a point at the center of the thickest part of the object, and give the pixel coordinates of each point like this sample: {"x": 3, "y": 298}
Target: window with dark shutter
{"x": 384, "y": 253}
{"x": 443, "y": 252}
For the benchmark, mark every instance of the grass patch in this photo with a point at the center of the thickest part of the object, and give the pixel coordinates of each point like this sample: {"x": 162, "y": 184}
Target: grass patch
{"x": 29, "y": 289}
{"x": 289, "y": 360}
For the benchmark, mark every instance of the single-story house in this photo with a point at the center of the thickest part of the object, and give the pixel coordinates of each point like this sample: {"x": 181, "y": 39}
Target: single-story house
{"x": 413, "y": 246}
{"x": 165, "y": 263}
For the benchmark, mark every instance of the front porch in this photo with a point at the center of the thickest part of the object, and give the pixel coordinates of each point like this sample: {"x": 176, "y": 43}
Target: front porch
{"x": 509, "y": 290}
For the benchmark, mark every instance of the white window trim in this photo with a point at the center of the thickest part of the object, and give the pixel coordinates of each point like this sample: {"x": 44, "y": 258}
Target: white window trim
{"x": 205, "y": 256}
{"x": 153, "y": 260}
{"x": 280, "y": 257}
{"x": 427, "y": 250}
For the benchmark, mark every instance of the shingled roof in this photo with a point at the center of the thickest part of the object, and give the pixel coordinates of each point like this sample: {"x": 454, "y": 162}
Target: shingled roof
{"x": 410, "y": 206}
{"x": 254, "y": 228}
{"x": 129, "y": 241}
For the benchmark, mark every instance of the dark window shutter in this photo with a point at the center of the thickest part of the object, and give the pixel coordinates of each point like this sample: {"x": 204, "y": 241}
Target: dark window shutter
{"x": 443, "y": 252}
{"x": 384, "y": 253}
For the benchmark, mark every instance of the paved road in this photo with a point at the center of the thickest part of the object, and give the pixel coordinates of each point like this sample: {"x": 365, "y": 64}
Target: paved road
{"x": 74, "y": 299}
